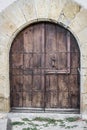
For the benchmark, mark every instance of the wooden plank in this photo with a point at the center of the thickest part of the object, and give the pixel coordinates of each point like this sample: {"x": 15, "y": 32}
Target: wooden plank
{"x": 28, "y": 39}
{"x": 38, "y": 62}
{"x": 36, "y": 82}
{"x": 17, "y": 60}
{"x": 51, "y": 99}
{"x": 74, "y": 89}
{"x": 17, "y": 46}
{"x": 27, "y": 99}
{"x": 50, "y": 37}
{"x": 17, "y": 83}
{"x": 28, "y": 61}
{"x": 38, "y": 99}
{"x": 62, "y": 42}
{"x": 63, "y": 83}
{"x": 62, "y": 61}
{"x": 38, "y": 38}
{"x": 63, "y": 91}
{"x": 51, "y": 82}
{"x": 63, "y": 99}
{"x": 16, "y": 100}
{"x": 51, "y": 91}
{"x": 16, "y": 71}
{"x": 27, "y": 83}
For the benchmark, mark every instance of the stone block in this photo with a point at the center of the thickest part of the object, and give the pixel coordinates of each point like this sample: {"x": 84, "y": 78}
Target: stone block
{"x": 4, "y": 105}
{"x": 84, "y": 83}
{"x": 84, "y": 100}
{"x": 82, "y": 35}
{"x": 11, "y": 19}
{"x": 6, "y": 25}
{"x": 83, "y": 49}
{"x": 84, "y": 80}
{"x": 4, "y": 42}
{"x": 3, "y": 124}
{"x": 55, "y": 8}
{"x": 80, "y": 21}
{"x": 28, "y": 9}
{"x": 84, "y": 61}
{"x": 67, "y": 15}
{"x": 4, "y": 61}
{"x": 42, "y": 8}
{"x": 7, "y": 104}
{"x": 4, "y": 85}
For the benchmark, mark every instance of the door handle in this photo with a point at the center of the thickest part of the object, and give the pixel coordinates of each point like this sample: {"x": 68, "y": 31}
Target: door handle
{"x": 79, "y": 70}
{"x": 53, "y": 60}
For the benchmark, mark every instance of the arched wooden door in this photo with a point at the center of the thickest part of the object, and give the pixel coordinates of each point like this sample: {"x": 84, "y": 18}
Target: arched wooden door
{"x": 44, "y": 64}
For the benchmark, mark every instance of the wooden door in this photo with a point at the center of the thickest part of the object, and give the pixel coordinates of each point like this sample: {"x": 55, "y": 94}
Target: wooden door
{"x": 44, "y": 62}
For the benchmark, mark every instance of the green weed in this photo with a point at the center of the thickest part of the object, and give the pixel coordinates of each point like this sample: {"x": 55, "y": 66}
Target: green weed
{"x": 26, "y": 119}
{"x": 62, "y": 125}
{"x": 29, "y": 128}
{"x": 17, "y": 123}
{"x": 72, "y": 119}
{"x": 69, "y": 127}
{"x": 49, "y": 120}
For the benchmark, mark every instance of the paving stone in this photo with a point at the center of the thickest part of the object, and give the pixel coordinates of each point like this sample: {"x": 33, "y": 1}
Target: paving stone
{"x": 18, "y": 117}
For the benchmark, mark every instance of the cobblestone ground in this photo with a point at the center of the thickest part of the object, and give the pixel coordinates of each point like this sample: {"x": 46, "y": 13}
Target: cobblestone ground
{"x": 46, "y": 121}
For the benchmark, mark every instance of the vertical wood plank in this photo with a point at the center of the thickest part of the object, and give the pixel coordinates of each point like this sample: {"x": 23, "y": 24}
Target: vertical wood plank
{"x": 28, "y": 39}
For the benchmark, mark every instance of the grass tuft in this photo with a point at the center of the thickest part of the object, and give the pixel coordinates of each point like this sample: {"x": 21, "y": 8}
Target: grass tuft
{"x": 17, "y": 123}
{"x": 69, "y": 127}
{"x": 72, "y": 119}
{"x": 26, "y": 119}
{"x": 62, "y": 125}
{"x": 49, "y": 120}
{"x": 29, "y": 128}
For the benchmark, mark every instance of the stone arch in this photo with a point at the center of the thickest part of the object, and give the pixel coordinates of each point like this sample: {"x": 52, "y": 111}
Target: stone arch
{"x": 20, "y": 14}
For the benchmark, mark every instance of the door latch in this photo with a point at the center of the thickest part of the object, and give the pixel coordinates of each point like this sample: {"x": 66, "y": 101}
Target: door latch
{"x": 53, "y": 60}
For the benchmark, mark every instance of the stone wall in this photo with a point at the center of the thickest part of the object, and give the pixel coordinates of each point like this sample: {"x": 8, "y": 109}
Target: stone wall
{"x": 23, "y": 12}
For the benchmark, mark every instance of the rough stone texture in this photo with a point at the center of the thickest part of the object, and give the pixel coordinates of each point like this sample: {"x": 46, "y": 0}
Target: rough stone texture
{"x": 82, "y": 35}
{"x": 11, "y": 19}
{"x": 3, "y": 124}
{"x": 42, "y": 125}
{"x": 84, "y": 83}
{"x": 84, "y": 61}
{"x": 69, "y": 12}
{"x": 3, "y": 121}
{"x": 83, "y": 71}
{"x": 9, "y": 126}
{"x": 4, "y": 104}
{"x": 83, "y": 49}
{"x": 80, "y": 21}
{"x": 55, "y": 8}
{"x": 4, "y": 74}
{"x": 42, "y": 8}
{"x": 3, "y": 39}
{"x": 84, "y": 100}
{"x": 28, "y": 9}
{"x": 20, "y": 14}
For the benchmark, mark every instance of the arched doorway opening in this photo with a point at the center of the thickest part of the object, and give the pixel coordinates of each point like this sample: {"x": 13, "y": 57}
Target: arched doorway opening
{"x": 44, "y": 69}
